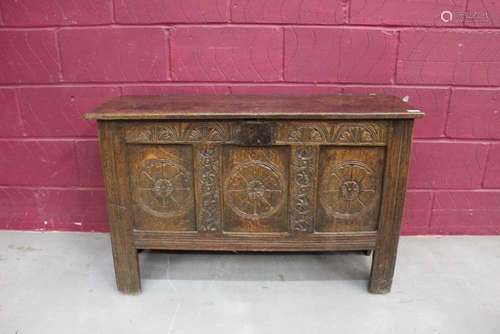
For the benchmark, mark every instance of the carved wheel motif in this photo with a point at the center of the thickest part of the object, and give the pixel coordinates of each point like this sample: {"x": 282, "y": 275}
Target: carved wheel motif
{"x": 163, "y": 188}
{"x": 255, "y": 190}
{"x": 349, "y": 188}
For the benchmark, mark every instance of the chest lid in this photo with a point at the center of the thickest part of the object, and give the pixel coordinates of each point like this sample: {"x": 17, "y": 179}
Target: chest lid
{"x": 255, "y": 107}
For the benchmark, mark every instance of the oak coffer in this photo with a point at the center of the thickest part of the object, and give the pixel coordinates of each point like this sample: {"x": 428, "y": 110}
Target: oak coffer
{"x": 255, "y": 173}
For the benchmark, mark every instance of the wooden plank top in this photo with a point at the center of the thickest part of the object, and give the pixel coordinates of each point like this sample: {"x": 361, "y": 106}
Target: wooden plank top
{"x": 254, "y": 107}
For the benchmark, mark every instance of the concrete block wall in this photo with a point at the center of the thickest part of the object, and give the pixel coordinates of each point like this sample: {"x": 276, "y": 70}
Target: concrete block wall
{"x": 59, "y": 59}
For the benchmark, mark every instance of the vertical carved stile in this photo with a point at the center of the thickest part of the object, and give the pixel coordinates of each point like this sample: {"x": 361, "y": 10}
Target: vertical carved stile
{"x": 208, "y": 189}
{"x": 303, "y": 182}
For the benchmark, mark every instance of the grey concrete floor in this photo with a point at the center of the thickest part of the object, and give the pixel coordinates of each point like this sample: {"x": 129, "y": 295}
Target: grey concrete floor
{"x": 64, "y": 283}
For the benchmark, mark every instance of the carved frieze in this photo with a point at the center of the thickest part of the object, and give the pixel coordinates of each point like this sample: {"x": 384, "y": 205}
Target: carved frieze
{"x": 316, "y": 133}
{"x": 358, "y": 133}
{"x": 335, "y": 132}
{"x": 179, "y": 132}
{"x": 210, "y": 132}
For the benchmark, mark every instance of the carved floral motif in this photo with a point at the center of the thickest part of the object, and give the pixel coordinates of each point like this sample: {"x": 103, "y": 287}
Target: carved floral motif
{"x": 209, "y": 216}
{"x": 206, "y": 132}
{"x": 178, "y": 132}
{"x": 314, "y": 132}
{"x": 302, "y": 195}
{"x": 165, "y": 133}
{"x": 358, "y": 133}
{"x": 334, "y": 132}
{"x": 307, "y": 133}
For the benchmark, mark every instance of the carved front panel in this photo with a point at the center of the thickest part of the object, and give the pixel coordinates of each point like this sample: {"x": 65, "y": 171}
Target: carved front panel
{"x": 349, "y": 189}
{"x": 311, "y": 176}
{"x": 162, "y": 187}
{"x": 255, "y": 189}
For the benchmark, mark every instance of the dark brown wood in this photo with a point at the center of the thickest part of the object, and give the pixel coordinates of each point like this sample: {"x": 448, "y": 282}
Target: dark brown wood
{"x": 396, "y": 171}
{"x": 232, "y": 173}
{"x": 255, "y": 107}
{"x": 113, "y": 156}
{"x": 256, "y": 133}
{"x": 265, "y": 242}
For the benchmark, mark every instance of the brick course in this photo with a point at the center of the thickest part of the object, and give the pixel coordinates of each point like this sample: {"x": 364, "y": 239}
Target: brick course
{"x": 420, "y": 13}
{"x": 56, "y": 12}
{"x": 492, "y": 173}
{"x": 449, "y": 57}
{"x": 474, "y": 114}
{"x": 10, "y": 114}
{"x": 444, "y": 165}
{"x": 60, "y": 59}
{"x": 38, "y": 163}
{"x": 120, "y": 54}
{"x": 227, "y": 54}
{"x": 67, "y": 106}
{"x": 472, "y": 212}
{"x": 290, "y": 11}
{"x": 171, "y": 11}
{"x": 326, "y": 55}
{"x": 29, "y": 56}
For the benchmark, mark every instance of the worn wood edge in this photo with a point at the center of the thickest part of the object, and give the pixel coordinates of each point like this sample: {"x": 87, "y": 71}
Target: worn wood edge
{"x": 250, "y": 106}
{"x": 102, "y": 115}
{"x": 253, "y": 242}
{"x": 379, "y": 290}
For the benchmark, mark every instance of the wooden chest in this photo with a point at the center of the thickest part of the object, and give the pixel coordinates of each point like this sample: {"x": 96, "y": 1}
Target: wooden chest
{"x": 254, "y": 173}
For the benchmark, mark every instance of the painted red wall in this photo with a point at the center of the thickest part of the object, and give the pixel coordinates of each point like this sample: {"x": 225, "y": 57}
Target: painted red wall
{"x": 59, "y": 59}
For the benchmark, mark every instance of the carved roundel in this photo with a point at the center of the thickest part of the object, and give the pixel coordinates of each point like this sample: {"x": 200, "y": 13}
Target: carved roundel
{"x": 348, "y": 189}
{"x": 163, "y": 188}
{"x": 254, "y": 190}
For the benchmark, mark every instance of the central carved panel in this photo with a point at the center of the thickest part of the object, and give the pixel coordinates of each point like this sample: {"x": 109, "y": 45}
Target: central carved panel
{"x": 255, "y": 189}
